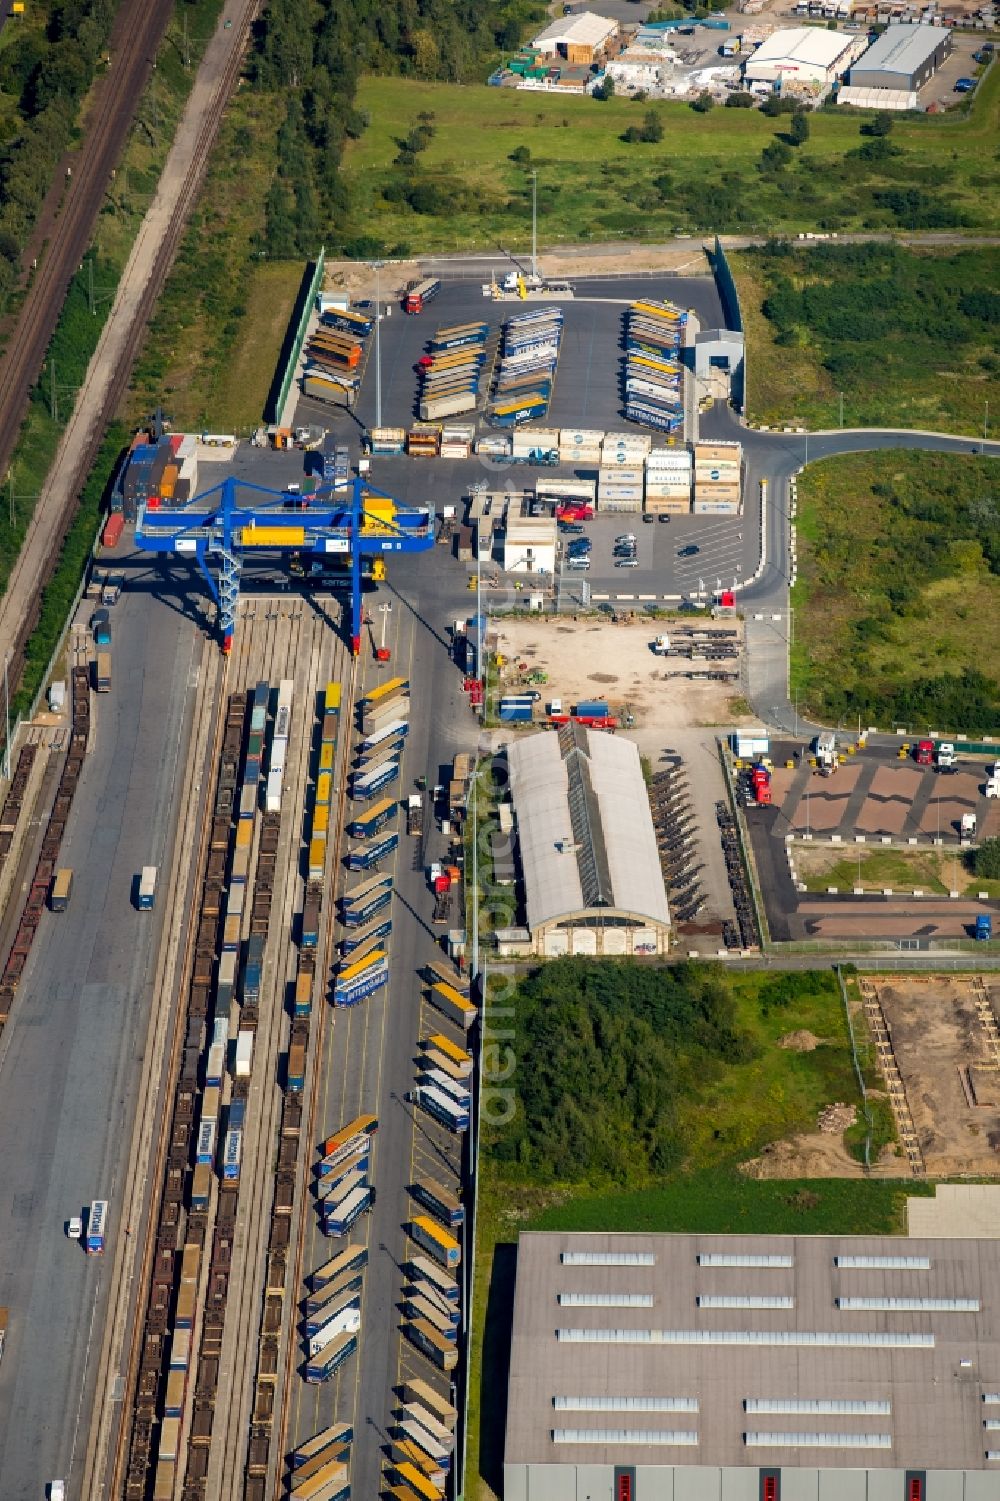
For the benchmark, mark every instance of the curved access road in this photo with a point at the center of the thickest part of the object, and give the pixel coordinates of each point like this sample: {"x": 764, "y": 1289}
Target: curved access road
{"x": 775, "y": 457}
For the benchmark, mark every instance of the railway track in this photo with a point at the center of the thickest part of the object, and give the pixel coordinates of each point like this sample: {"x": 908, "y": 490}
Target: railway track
{"x": 21, "y": 362}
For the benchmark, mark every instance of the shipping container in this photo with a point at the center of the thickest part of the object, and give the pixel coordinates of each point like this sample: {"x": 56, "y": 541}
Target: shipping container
{"x": 420, "y": 294}
{"x": 418, "y": 1391}
{"x": 351, "y": 1260}
{"x": 97, "y": 1225}
{"x": 102, "y": 672}
{"x": 361, "y": 939}
{"x": 443, "y": 1107}
{"x": 457, "y": 1057}
{"x": 441, "y": 1201}
{"x": 337, "y": 1433}
{"x": 366, "y": 785}
{"x": 432, "y": 1344}
{"x": 296, "y": 1068}
{"x": 433, "y": 1278}
{"x": 436, "y": 1242}
{"x": 361, "y": 979}
{"x": 444, "y": 1322}
{"x": 62, "y": 890}
{"x": 338, "y": 1218}
{"x": 456, "y": 1007}
{"x": 333, "y": 1303}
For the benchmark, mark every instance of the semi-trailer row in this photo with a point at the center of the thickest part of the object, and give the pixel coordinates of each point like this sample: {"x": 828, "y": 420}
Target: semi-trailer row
{"x": 526, "y": 370}
{"x": 654, "y": 337}
{"x": 452, "y": 369}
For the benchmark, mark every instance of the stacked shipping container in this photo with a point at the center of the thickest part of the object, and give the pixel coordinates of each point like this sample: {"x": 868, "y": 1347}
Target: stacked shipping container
{"x": 717, "y": 469}
{"x": 654, "y": 335}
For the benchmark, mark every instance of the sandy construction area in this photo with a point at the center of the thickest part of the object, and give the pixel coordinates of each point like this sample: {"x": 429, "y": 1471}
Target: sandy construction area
{"x": 936, "y": 1034}
{"x": 593, "y": 658}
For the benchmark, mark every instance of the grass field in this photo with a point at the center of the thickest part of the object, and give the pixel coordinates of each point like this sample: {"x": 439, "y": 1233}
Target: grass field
{"x": 897, "y": 609}
{"x": 873, "y": 335}
{"x": 703, "y": 175}
{"x": 219, "y": 326}
{"x": 776, "y": 1093}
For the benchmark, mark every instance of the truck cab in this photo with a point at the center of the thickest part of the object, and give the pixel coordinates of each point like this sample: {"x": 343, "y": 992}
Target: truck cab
{"x": 100, "y": 624}
{"x": 825, "y": 750}
{"x": 946, "y": 758}
{"x": 984, "y": 927}
{"x": 925, "y": 753}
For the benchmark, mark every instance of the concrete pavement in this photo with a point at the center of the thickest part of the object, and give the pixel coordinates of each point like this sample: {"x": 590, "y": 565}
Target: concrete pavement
{"x": 69, "y": 1062}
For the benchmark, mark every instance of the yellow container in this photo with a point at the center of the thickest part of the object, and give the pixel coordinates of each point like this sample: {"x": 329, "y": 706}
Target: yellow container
{"x": 274, "y": 536}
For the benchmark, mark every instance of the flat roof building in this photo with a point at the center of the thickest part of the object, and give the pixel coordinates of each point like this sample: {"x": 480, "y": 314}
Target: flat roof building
{"x": 902, "y": 58}
{"x": 578, "y": 39}
{"x": 804, "y": 54}
{"x": 589, "y": 860}
{"x": 734, "y": 1368}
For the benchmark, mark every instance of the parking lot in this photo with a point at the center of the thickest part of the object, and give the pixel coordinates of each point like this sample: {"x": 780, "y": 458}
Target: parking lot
{"x": 587, "y": 391}
{"x": 873, "y": 851}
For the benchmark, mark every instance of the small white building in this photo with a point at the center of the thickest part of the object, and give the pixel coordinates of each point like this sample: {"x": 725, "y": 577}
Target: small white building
{"x": 529, "y": 545}
{"x": 803, "y": 54}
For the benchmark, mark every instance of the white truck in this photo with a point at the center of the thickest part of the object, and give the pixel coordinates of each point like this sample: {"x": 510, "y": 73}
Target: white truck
{"x": 946, "y": 757}
{"x": 968, "y": 826}
{"x": 825, "y": 751}
{"x": 992, "y": 788}
{"x": 661, "y": 646}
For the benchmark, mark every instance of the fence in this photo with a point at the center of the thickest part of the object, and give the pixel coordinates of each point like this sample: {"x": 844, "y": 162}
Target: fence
{"x": 730, "y": 299}
{"x": 277, "y": 405}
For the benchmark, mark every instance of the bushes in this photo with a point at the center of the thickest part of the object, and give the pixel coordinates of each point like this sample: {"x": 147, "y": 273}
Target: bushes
{"x": 612, "y": 1048}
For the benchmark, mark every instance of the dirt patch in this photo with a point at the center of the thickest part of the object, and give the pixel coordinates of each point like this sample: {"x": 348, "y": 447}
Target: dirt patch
{"x": 655, "y": 691}
{"x": 799, "y": 1042}
{"x": 834, "y": 1120}
{"x": 816, "y": 1155}
{"x": 938, "y": 1035}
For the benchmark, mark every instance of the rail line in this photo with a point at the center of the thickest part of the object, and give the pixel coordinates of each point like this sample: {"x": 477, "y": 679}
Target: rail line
{"x": 39, "y": 553}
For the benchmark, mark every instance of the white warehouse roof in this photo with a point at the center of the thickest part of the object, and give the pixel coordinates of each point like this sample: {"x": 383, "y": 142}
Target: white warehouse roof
{"x": 584, "y": 826}
{"x": 584, "y": 30}
{"x": 795, "y": 48}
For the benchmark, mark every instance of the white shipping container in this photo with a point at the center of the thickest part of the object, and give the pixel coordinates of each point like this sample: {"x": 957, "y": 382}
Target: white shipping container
{"x": 347, "y": 1322}
{"x": 455, "y": 450}
{"x": 672, "y": 505}
{"x": 716, "y": 507}
{"x": 272, "y": 796}
{"x": 537, "y": 437}
{"x": 279, "y": 750}
{"x": 668, "y": 482}
{"x": 716, "y": 451}
{"x": 669, "y": 458}
{"x": 587, "y": 458}
{"x": 621, "y": 504}
{"x": 244, "y": 1054}
{"x": 623, "y": 476}
{"x": 621, "y": 492}
{"x": 574, "y": 437}
{"x": 569, "y": 489}
{"x": 628, "y": 440}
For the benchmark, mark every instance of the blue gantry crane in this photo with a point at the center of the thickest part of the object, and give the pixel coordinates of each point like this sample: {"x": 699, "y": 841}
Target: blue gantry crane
{"x": 346, "y": 519}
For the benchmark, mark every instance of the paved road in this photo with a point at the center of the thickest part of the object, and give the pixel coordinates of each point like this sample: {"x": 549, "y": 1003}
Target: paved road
{"x": 70, "y": 1052}
{"x": 778, "y": 456}
{"x": 369, "y": 1059}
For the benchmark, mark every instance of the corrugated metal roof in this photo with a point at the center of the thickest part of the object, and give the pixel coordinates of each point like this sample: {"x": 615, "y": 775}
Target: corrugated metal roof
{"x": 812, "y": 1375}
{"x": 811, "y": 45}
{"x": 585, "y": 831}
{"x": 901, "y": 49}
{"x": 586, "y": 30}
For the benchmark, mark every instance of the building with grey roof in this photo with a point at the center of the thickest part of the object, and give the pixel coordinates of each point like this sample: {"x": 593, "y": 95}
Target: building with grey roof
{"x": 589, "y": 861}
{"x": 754, "y": 1368}
{"x": 902, "y": 58}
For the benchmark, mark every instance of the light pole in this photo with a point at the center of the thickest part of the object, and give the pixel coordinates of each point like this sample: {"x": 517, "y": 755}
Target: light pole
{"x": 377, "y": 266}
{"x": 534, "y": 225}
{"x": 385, "y": 611}
{"x": 841, "y": 394}
{"x": 986, "y": 420}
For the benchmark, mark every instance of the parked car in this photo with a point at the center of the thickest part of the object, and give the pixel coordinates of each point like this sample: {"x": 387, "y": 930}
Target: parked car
{"x": 664, "y": 517}
{"x": 626, "y": 562}
{"x": 964, "y": 85}
{"x": 625, "y": 537}
{"x": 74, "y": 1227}
{"x": 570, "y": 527}
{"x": 648, "y": 518}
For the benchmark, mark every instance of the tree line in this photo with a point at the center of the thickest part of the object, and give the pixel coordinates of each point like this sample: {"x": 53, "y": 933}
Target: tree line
{"x": 47, "y": 72}
{"x": 314, "y": 52}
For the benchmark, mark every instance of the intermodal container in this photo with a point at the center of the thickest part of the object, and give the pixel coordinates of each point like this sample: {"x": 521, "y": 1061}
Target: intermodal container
{"x": 303, "y": 993}
{"x": 296, "y": 1067}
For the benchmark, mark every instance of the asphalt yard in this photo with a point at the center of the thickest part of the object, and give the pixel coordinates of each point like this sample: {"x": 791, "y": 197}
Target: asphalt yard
{"x": 873, "y": 851}
{"x": 588, "y": 388}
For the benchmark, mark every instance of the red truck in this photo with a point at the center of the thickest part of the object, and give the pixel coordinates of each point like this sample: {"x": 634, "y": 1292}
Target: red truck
{"x": 761, "y": 781}
{"x": 925, "y": 752}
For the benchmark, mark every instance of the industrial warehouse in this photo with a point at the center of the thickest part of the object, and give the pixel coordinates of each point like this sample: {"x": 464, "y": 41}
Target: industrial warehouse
{"x": 736, "y": 1368}
{"x": 902, "y": 58}
{"x": 592, "y": 879}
